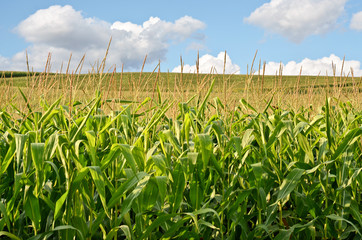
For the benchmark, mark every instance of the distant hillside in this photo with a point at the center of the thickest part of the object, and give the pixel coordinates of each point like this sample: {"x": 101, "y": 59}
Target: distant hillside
{"x": 8, "y": 74}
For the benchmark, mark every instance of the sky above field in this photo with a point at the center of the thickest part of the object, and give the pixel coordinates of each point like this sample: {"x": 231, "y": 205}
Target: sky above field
{"x": 292, "y": 35}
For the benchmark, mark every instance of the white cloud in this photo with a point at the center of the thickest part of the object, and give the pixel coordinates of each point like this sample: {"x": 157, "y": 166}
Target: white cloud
{"x": 62, "y": 30}
{"x": 4, "y": 63}
{"x": 322, "y": 66}
{"x": 356, "y": 21}
{"x": 208, "y": 63}
{"x": 63, "y": 27}
{"x": 16, "y": 63}
{"x": 297, "y": 19}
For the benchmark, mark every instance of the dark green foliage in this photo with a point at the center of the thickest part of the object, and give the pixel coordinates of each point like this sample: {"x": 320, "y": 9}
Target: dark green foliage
{"x": 238, "y": 175}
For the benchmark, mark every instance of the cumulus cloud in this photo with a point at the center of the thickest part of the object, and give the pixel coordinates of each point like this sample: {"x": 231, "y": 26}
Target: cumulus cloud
{"x": 322, "y": 66}
{"x": 63, "y": 27}
{"x": 356, "y": 21}
{"x": 209, "y": 63}
{"x": 62, "y": 30}
{"x": 4, "y": 62}
{"x": 297, "y": 19}
{"x": 15, "y": 63}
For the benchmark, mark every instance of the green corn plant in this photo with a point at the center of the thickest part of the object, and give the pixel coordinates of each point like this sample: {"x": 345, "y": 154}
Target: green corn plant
{"x": 134, "y": 172}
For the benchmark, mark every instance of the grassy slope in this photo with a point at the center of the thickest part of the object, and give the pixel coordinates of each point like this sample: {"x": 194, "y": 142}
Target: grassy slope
{"x": 288, "y": 91}
{"x": 19, "y": 79}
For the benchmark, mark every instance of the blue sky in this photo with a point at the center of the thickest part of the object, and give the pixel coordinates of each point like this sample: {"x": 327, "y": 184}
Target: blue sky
{"x": 297, "y": 33}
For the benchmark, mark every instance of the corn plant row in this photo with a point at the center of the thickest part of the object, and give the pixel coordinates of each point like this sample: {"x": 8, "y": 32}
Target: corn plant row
{"x": 135, "y": 173}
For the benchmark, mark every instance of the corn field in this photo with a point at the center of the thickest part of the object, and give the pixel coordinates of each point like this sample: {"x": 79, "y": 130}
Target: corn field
{"x": 77, "y": 172}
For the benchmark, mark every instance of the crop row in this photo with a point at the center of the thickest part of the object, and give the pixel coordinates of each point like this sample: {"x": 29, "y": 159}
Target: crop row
{"x": 135, "y": 173}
